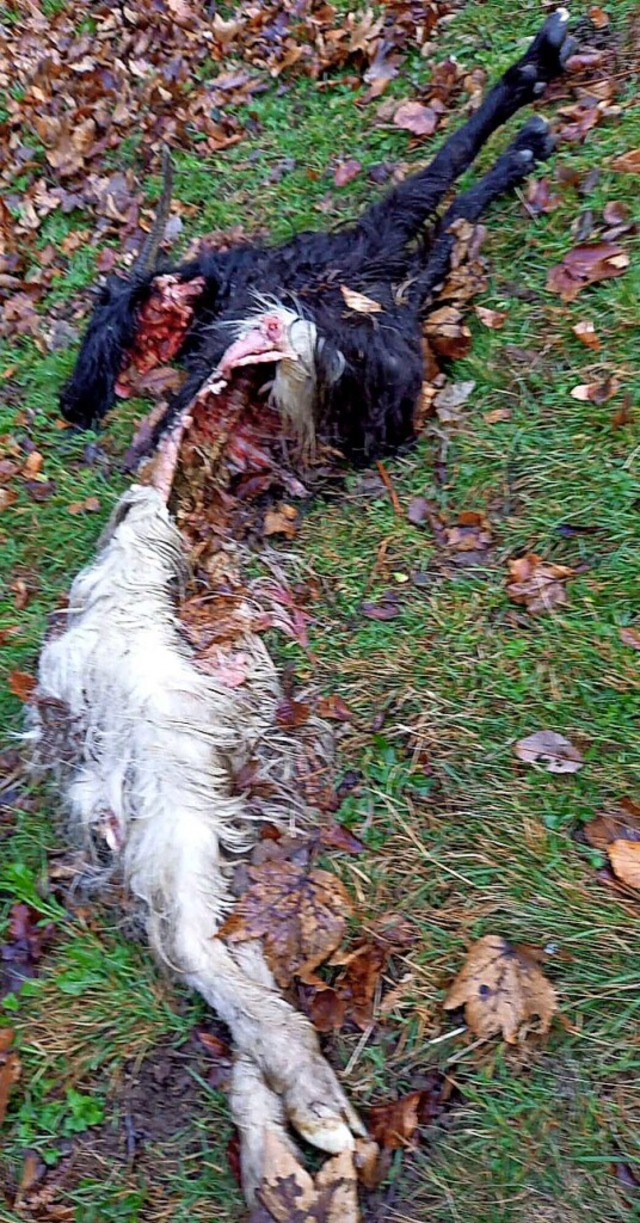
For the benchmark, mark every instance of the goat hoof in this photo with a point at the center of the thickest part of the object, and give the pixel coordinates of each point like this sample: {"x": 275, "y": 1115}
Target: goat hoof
{"x": 547, "y": 55}
{"x": 319, "y": 1110}
{"x": 534, "y": 139}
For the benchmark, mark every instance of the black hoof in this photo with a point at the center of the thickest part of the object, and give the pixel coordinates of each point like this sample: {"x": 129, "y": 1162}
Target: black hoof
{"x": 549, "y": 50}
{"x": 535, "y": 139}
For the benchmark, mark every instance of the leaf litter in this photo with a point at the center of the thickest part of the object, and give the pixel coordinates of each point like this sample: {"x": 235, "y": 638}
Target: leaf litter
{"x": 617, "y": 833}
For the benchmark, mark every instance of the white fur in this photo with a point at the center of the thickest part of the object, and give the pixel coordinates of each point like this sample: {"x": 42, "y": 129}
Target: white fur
{"x": 145, "y": 746}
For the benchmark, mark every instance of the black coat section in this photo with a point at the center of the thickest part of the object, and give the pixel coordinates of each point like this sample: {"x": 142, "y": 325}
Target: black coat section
{"x": 385, "y": 255}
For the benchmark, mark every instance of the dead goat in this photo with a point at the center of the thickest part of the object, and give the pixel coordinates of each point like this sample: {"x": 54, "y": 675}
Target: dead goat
{"x": 145, "y": 746}
{"x": 353, "y": 378}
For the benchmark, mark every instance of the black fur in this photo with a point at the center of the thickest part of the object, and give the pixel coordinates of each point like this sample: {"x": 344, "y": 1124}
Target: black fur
{"x": 370, "y": 407}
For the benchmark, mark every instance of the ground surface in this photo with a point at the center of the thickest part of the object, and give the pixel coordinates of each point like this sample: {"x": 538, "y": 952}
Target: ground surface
{"x": 114, "y": 1093}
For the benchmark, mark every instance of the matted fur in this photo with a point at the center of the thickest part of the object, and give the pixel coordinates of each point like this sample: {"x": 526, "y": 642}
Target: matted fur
{"x": 145, "y": 747}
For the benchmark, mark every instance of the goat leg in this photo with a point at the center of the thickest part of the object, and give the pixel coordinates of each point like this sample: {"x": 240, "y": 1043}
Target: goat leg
{"x": 533, "y": 143}
{"x": 399, "y": 216}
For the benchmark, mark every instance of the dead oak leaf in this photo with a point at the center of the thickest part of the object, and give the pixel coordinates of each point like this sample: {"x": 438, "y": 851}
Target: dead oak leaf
{"x": 502, "y": 990}
{"x": 537, "y": 584}
{"x": 585, "y": 265}
{"x": 299, "y": 913}
{"x": 553, "y": 751}
{"x": 630, "y": 636}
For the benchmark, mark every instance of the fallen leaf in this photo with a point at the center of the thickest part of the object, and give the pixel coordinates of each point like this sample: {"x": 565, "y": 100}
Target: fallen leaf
{"x": 451, "y": 398}
{"x": 334, "y": 707}
{"x": 21, "y": 684}
{"x": 9, "y": 1075}
{"x": 288, "y": 1194}
{"x": 497, "y": 414}
{"x": 586, "y": 333}
{"x": 546, "y": 747}
{"x": 622, "y": 822}
{"x": 360, "y": 303}
{"x": 90, "y": 505}
{"x": 336, "y": 836}
{"x": 386, "y": 609}
{"x": 281, "y": 521}
{"x": 7, "y": 498}
{"x": 447, "y": 333}
{"x": 291, "y": 714}
{"x": 394, "y": 1125}
{"x": 493, "y": 319}
{"x": 24, "y": 947}
{"x": 471, "y": 533}
{"x": 32, "y": 465}
{"x": 358, "y": 983}
{"x": 415, "y": 118}
{"x": 596, "y": 392}
{"x": 627, "y": 163}
{"x": 540, "y": 197}
{"x": 346, "y": 172}
{"x": 502, "y": 989}
{"x": 537, "y": 584}
{"x": 630, "y": 636}
{"x": 300, "y": 914}
{"x": 625, "y": 860}
{"x": 598, "y": 16}
{"x": 615, "y": 213}
{"x": 585, "y": 265}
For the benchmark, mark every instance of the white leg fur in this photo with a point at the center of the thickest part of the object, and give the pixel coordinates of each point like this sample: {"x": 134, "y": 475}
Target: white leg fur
{"x": 144, "y": 746}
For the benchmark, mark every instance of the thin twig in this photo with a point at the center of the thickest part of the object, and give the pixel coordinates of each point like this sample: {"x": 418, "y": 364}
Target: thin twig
{"x": 388, "y": 483}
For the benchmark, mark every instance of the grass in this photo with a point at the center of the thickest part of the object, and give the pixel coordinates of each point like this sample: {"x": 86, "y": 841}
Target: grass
{"x": 476, "y": 845}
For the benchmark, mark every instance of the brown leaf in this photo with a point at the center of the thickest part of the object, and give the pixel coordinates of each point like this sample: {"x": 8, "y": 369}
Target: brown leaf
{"x": 358, "y": 301}
{"x": 288, "y": 1194}
{"x": 627, "y": 163}
{"x": 32, "y": 465}
{"x": 585, "y": 265}
{"x": 471, "y": 533}
{"x": 281, "y": 521}
{"x": 537, "y": 584}
{"x": 539, "y": 196}
{"x": 291, "y": 714}
{"x": 9, "y": 1074}
{"x": 7, "y": 498}
{"x": 335, "y": 708}
{"x": 451, "y": 398}
{"x": 386, "y": 609}
{"x": 394, "y": 1125}
{"x": 630, "y": 636}
{"x": 586, "y": 333}
{"x": 493, "y": 319}
{"x": 21, "y": 684}
{"x": 336, "y": 836}
{"x": 502, "y": 989}
{"x": 299, "y": 913}
{"x": 447, "y": 333}
{"x": 625, "y": 860}
{"x": 497, "y": 414}
{"x": 327, "y": 1010}
{"x": 415, "y": 118}
{"x": 622, "y": 822}
{"x": 357, "y": 985}
{"x": 546, "y": 747}
{"x": 90, "y": 505}
{"x": 346, "y": 172}
{"x": 596, "y": 392}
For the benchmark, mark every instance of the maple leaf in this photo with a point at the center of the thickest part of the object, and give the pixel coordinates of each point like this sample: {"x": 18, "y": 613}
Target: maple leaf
{"x": 300, "y": 913}
{"x": 502, "y": 989}
{"x": 288, "y": 1194}
{"x": 536, "y": 583}
{"x": 546, "y": 747}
